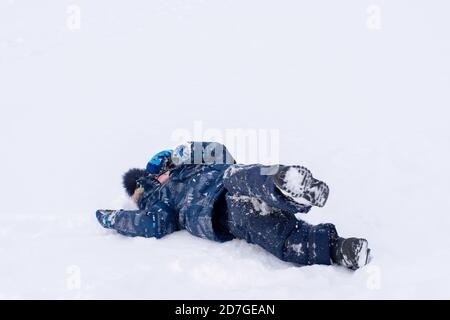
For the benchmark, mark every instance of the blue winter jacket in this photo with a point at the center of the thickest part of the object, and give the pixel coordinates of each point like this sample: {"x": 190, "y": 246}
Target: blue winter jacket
{"x": 193, "y": 198}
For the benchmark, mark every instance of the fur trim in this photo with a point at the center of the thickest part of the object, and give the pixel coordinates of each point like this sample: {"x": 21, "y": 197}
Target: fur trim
{"x": 130, "y": 180}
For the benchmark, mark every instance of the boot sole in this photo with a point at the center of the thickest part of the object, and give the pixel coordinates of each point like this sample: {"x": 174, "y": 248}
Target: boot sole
{"x": 305, "y": 188}
{"x": 363, "y": 255}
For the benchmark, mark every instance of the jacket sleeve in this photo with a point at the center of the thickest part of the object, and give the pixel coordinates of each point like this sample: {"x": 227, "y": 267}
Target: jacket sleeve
{"x": 156, "y": 222}
{"x": 189, "y": 153}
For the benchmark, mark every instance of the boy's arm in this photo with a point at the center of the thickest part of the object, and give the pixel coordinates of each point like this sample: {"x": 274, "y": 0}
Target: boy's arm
{"x": 139, "y": 223}
{"x": 196, "y": 152}
{"x": 189, "y": 153}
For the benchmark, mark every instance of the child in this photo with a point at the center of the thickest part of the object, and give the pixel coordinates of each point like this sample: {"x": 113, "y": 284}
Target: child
{"x": 200, "y": 188}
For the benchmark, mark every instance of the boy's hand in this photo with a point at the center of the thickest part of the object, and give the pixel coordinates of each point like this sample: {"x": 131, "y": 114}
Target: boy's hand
{"x": 137, "y": 195}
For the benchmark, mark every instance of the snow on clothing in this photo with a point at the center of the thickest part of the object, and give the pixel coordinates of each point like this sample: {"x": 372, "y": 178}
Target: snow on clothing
{"x": 260, "y": 214}
{"x": 223, "y": 201}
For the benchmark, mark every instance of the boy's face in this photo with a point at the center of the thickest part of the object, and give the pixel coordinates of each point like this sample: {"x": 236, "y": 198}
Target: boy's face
{"x": 164, "y": 177}
{"x": 137, "y": 195}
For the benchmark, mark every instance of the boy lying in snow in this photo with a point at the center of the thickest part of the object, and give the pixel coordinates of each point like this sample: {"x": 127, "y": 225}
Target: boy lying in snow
{"x": 200, "y": 188}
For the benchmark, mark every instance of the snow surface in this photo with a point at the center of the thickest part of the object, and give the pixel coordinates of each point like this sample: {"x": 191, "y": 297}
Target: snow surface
{"x": 366, "y": 109}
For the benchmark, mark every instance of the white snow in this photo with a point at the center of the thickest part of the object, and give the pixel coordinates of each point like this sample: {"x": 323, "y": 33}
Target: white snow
{"x": 364, "y": 106}
{"x": 258, "y": 205}
{"x": 363, "y": 255}
{"x": 298, "y": 248}
{"x": 261, "y": 207}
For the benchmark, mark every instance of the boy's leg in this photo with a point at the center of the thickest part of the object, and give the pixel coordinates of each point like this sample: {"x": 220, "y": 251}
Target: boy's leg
{"x": 281, "y": 234}
{"x": 257, "y": 181}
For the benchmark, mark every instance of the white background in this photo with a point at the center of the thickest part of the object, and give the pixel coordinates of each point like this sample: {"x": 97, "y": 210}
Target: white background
{"x": 365, "y": 108}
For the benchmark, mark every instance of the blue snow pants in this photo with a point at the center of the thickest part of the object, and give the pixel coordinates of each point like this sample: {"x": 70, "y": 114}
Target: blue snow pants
{"x": 260, "y": 214}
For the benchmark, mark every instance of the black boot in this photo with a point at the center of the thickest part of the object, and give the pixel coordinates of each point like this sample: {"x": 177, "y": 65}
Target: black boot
{"x": 352, "y": 253}
{"x": 298, "y": 184}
